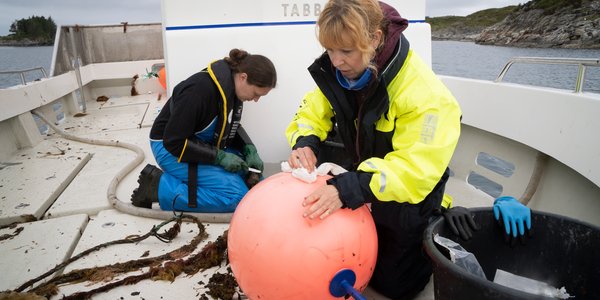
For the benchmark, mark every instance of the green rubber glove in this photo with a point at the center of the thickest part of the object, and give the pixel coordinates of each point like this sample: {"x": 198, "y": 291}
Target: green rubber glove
{"x": 252, "y": 158}
{"x": 231, "y": 162}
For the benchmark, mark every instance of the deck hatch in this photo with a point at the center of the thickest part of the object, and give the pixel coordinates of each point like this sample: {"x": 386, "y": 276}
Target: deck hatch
{"x": 495, "y": 164}
{"x": 484, "y": 184}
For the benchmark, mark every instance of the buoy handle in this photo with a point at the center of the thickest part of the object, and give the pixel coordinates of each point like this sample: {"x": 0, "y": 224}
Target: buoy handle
{"x": 352, "y": 291}
{"x": 342, "y": 284}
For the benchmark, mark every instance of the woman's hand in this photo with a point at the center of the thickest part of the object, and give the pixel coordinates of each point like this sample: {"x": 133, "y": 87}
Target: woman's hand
{"x": 303, "y": 157}
{"x": 322, "y": 202}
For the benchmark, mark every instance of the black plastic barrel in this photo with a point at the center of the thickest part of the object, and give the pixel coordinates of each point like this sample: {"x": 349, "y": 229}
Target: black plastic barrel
{"x": 561, "y": 252}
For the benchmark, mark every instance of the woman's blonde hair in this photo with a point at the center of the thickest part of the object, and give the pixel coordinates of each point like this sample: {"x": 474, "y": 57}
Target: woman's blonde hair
{"x": 350, "y": 24}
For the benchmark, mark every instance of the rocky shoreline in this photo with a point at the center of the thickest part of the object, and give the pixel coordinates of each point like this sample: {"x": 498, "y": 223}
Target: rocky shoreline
{"x": 24, "y": 43}
{"x": 567, "y": 27}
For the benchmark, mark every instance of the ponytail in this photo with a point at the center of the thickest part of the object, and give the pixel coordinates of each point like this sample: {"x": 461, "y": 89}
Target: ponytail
{"x": 260, "y": 70}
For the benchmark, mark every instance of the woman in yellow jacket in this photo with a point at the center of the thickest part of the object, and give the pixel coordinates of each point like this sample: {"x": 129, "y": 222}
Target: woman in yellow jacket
{"x": 381, "y": 113}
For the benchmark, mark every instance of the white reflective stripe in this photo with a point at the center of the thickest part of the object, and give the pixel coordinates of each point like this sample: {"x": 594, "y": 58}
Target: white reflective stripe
{"x": 382, "y": 181}
{"x": 300, "y": 125}
{"x": 293, "y": 136}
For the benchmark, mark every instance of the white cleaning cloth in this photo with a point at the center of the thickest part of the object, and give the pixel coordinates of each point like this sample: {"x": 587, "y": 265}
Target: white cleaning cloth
{"x": 304, "y": 175}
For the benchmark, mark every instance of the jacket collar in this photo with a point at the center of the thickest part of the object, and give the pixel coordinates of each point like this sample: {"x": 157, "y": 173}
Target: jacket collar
{"x": 221, "y": 75}
{"x": 323, "y": 63}
{"x": 397, "y": 60}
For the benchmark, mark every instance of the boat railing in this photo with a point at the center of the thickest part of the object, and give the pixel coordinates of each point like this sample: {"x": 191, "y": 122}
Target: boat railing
{"x": 582, "y": 64}
{"x": 22, "y": 73}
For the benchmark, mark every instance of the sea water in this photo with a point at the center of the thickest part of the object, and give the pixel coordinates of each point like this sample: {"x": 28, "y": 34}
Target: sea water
{"x": 470, "y": 60}
{"x": 21, "y": 58}
{"x": 463, "y": 59}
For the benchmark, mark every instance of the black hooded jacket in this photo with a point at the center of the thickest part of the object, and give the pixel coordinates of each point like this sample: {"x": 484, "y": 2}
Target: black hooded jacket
{"x": 205, "y": 97}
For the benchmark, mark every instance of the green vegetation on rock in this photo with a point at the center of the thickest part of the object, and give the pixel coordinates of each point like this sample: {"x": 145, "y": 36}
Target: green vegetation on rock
{"x": 31, "y": 31}
{"x": 551, "y": 6}
{"x": 480, "y": 19}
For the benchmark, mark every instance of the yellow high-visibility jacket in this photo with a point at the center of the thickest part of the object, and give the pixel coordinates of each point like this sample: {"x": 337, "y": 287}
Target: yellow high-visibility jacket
{"x": 404, "y": 134}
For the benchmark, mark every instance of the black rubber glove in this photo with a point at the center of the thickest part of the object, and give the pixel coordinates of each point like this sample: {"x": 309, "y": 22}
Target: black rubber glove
{"x": 231, "y": 162}
{"x": 460, "y": 221}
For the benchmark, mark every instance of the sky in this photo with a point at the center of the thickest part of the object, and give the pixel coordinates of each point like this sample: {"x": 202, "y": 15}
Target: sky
{"x": 97, "y": 12}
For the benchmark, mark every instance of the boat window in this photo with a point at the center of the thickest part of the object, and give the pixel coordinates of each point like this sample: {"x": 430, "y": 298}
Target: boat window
{"x": 42, "y": 127}
{"x": 59, "y": 112}
{"x": 495, "y": 164}
{"x": 484, "y": 184}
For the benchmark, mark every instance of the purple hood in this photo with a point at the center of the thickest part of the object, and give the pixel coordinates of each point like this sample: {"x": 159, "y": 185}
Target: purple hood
{"x": 396, "y": 26}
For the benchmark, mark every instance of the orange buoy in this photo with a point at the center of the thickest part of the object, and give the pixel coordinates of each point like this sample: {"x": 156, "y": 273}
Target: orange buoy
{"x": 275, "y": 253}
{"x": 162, "y": 77}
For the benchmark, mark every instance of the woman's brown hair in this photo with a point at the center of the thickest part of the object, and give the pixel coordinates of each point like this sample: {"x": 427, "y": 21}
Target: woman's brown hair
{"x": 260, "y": 70}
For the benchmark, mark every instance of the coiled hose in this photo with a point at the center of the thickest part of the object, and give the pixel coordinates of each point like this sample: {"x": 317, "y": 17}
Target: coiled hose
{"x": 126, "y": 207}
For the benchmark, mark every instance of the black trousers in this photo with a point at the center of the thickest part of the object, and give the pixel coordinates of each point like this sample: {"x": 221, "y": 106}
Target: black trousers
{"x": 403, "y": 268}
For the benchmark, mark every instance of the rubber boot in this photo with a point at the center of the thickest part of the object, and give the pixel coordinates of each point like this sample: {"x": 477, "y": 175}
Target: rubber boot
{"x": 147, "y": 192}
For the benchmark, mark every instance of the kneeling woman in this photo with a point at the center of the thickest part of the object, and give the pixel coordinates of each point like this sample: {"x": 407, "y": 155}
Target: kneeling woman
{"x": 198, "y": 141}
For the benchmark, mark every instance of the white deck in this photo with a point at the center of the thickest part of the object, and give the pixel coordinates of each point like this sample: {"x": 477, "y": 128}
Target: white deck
{"x": 35, "y": 177}
{"x": 37, "y": 248}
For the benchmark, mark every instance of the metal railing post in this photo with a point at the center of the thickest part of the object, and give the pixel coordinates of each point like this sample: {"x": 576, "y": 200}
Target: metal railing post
{"x": 76, "y": 67}
{"x": 580, "y": 79}
{"x": 22, "y": 73}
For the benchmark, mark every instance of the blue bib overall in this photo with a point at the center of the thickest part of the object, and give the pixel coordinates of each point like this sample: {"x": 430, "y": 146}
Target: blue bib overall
{"x": 218, "y": 191}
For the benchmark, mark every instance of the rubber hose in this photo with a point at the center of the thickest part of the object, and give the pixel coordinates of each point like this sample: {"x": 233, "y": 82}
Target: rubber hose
{"x": 538, "y": 170}
{"x": 122, "y": 206}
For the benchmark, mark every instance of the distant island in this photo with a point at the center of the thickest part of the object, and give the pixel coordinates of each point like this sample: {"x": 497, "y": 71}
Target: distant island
{"x": 33, "y": 31}
{"x": 537, "y": 23}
